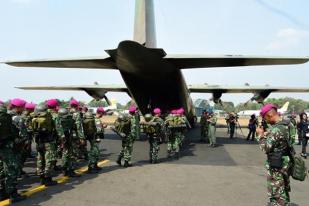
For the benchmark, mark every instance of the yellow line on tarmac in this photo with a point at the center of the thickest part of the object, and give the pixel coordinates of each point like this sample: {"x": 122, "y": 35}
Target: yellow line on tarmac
{"x": 60, "y": 180}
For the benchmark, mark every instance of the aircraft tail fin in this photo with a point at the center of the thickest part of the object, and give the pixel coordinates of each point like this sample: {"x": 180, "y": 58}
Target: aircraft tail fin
{"x": 144, "y": 28}
{"x": 285, "y": 107}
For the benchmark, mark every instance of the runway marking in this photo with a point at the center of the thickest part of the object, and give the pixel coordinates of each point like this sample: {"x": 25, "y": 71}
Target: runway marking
{"x": 60, "y": 180}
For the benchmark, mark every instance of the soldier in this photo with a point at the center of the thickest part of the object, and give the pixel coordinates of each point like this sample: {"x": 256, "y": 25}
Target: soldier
{"x": 27, "y": 115}
{"x": 17, "y": 106}
{"x": 9, "y": 166}
{"x": 212, "y": 121}
{"x": 90, "y": 131}
{"x": 136, "y": 116}
{"x": 153, "y": 130}
{"x": 66, "y": 142}
{"x": 304, "y": 133}
{"x": 253, "y": 123}
{"x": 44, "y": 130}
{"x": 123, "y": 127}
{"x": 78, "y": 133}
{"x": 277, "y": 142}
{"x": 204, "y": 127}
{"x": 53, "y": 106}
{"x": 175, "y": 127}
{"x": 99, "y": 124}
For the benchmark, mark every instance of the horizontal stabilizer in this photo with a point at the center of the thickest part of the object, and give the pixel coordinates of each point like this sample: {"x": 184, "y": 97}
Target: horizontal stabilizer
{"x": 95, "y": 63}
{"x": 199, "y": 61}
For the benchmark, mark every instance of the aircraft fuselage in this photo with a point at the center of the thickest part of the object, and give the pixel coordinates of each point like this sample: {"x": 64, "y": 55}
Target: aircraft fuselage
{"x": 151, "y": 80}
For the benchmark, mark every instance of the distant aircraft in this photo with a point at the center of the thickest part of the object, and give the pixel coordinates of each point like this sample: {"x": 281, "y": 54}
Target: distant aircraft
{"x": 247, "y": 113}
{"x": 109, "y": 109}
{"x": 152, "y": 77}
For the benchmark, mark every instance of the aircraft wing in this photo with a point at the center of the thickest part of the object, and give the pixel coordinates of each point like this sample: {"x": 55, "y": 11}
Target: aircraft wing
{"x": 200, "y": 61}
{"x": 242, "y": 89}
{"x": 96, "y": 91}
{"x": 260, "y": 93}
{"x": 89, "y": 63}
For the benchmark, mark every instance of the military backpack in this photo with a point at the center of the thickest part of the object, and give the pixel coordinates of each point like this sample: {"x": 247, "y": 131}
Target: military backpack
{"x": 89, "y": 126}
{"x": 5, "y": 125}
{"x": 43, "y": 122}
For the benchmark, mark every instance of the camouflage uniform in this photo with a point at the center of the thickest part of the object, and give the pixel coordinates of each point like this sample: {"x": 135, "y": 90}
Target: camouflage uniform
{"x": 59, "y": 134}
{"x": 154, "y": 139}
{"x": 78, "y": 133}
{"x": 45, "y": 141}
{"x": 278, "y": 138}
{"x": 100, "y": 127}
{"x": 204, "y": 127}
{"x": 212, "y": 121}
{"x": 27, "y": 116}
{"x": 136, "y": 117}
{"x": 9, "y": 166}
{"x": 175, "y": 134}
{"x": 128, "y": 141}
{"x": 22, "y": 140}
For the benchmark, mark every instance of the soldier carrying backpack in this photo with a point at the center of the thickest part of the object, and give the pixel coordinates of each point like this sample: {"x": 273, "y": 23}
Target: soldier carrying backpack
{"x": 8, "y": 159}
{"x": 90, "y": 131}
{"x": 44, "y": 128}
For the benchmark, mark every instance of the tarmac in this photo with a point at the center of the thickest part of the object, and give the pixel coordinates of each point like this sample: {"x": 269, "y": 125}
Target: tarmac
{"x": 231, "y": 174}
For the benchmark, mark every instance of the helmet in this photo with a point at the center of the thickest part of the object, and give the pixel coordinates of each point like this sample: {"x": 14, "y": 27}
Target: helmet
{"x": 148, "y": 117}
{"x": 63, "y": 112}
{"x": 30, "y": 106}
{"x": 74, "y": 102}
{"x": 52, "y": 103}
{"x": 122, "y": 117}
{"x": 18, "y": 102}
{"x": 100, "y": 110}
{"x": 88, "y": 115}
{"x": 40, "y": 108}
{"x": 157, "y": 111}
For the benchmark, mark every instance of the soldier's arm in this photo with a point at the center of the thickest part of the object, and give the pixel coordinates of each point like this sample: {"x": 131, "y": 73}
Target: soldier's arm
{"x": 79, "y": 126}
{"x": 266, "y": 141}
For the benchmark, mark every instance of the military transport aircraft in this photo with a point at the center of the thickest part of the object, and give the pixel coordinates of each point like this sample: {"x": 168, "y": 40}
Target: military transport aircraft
{"x": 152, "y": 77}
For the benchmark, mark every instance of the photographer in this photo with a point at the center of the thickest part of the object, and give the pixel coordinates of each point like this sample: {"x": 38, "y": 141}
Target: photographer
{"x": 253, "y": 123}
{"x": 232, "y": 120}
{"x": 304, "y": 133}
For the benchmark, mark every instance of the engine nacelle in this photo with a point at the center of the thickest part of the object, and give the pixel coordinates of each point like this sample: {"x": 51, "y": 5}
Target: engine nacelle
{"x": 261, "y": 96}
{"x": 216, "y": 97}
{"x": 96, "y": 94}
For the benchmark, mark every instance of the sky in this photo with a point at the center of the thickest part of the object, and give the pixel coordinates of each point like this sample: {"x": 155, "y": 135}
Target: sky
{"x": 36, "y": 29}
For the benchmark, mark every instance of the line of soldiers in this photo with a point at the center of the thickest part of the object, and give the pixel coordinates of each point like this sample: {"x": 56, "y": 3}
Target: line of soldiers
{"x": 158, "y": 129}
{"x": 208, "y": 127}
{"x": 59, "y": 133}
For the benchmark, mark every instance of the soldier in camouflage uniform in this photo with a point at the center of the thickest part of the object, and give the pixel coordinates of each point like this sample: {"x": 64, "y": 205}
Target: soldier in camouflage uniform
{"x": 90, "y": 132}
{"x": 53, "y": 106}
{"x": 44, "y": 130}
{"x": 211, "y": 122}
{"x": 78, "y": 133}
{"x": 21, "y": 153}
{"x": 27, "y": 115}
{"x": 99, "y": 124}
{"x": 153, "y": 128}
{"x": 204, "y": 126}
{"x": 277, "y": 142}
{"x": 176, "y": 124}
{"x": 128, "y": 136}
{"x": 8, "y": 164}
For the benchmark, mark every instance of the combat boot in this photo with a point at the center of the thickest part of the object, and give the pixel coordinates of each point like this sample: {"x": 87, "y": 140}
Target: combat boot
{"x": 97, "y": 168}
{"x": 42, "y": 179}
{"x": 91, "y": 170}
{"x": 127, "y": 164}
{"x": 3, "y": 195}
{"x": 15, "y": 197}
{"x": 119, "y": 160}
{"x": 49, "y": 182}
{"x": 177, "y": 155}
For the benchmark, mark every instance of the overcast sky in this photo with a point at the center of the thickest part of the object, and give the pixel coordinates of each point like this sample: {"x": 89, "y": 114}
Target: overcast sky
{"x": 34, "y": 29}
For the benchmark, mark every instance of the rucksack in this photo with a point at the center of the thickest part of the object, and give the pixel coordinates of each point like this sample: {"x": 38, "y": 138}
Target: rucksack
{"x": 67, "y": 123}
{"x": 5, "y": 126}
{"x": 299, "y": 169}
{"x": 89, "y": 126}
{"x": 43, "y": 122}
{"x": 123, "y": 126}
